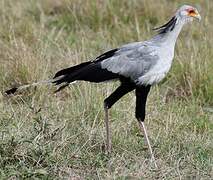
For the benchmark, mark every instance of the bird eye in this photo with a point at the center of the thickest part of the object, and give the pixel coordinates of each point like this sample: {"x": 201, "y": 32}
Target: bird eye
{"x": 191, "y": 11}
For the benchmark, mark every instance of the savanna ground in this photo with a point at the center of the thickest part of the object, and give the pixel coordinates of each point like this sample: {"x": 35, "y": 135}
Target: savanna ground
{"x": 48, "y": 136}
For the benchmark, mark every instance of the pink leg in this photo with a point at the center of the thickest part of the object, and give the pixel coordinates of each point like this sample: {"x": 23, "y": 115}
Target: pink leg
{"x": 143, "y": 130}
{"x": 108, "y": 132}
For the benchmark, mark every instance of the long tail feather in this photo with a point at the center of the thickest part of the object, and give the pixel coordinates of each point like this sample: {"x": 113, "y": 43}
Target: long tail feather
{"x": 87, "y": 71}
{"x": 20, "y": 88}
{"x": 63, "y": 77}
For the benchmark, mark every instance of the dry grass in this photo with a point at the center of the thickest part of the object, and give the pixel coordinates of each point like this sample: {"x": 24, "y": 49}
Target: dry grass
{"x": 62, "y": 136}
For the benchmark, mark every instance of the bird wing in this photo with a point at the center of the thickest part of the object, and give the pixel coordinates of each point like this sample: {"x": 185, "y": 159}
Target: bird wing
{"x": 132, "y": 60}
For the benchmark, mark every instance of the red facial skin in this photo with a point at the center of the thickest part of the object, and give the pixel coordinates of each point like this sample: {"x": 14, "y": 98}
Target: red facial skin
{"x": 191, "y": 12}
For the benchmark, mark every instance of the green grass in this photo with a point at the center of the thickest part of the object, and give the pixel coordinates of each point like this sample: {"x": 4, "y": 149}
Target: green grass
{"x": 47, "y": 136}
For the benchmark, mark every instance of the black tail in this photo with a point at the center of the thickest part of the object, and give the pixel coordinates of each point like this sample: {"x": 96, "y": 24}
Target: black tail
{"x": 11, "y": 91}
{"x": 87, "y": 71}
{"x": 22, "y": 87}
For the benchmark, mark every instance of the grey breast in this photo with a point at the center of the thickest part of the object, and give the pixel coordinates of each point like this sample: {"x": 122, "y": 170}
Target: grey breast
{"x": 132, "y": 60}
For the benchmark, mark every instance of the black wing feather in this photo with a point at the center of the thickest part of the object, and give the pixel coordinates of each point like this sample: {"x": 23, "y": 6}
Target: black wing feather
{"x": 88, "y": 71}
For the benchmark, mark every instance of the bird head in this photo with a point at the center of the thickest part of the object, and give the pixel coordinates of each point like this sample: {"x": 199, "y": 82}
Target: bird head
{"x": 188, "y": 13}
{"x": 183, "y": 15}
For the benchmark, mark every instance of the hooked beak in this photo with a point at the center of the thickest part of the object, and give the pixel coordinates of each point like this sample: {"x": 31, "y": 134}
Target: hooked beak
{"x": 198, "y": 16}
{"x": 195, "y": 15}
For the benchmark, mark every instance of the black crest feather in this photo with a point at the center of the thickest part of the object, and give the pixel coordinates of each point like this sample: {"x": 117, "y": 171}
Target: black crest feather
{"x": 169, "y": 26}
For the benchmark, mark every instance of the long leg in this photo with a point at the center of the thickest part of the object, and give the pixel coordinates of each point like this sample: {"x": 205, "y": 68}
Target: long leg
{"x": 143, "y": 130}
{"x": 108, "y": 131}
{"x": 123, "y": 89}
{"x": 141, "y": 98}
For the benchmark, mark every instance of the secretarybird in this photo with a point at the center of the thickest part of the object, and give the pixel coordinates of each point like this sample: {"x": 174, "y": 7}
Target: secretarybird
{"x": 137, "y": 65}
